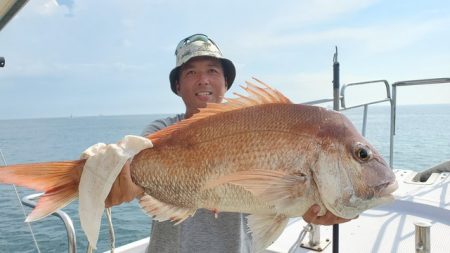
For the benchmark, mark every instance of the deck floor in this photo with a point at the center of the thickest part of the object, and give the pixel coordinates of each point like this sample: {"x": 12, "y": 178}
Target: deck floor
{"x": 390, "y": 228}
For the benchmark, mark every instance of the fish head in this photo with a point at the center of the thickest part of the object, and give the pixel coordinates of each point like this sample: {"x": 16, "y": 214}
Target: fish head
{"x": 350, "y": 173}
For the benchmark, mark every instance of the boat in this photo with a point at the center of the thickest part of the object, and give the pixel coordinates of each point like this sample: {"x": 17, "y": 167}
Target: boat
{"x": 417, "y": 221}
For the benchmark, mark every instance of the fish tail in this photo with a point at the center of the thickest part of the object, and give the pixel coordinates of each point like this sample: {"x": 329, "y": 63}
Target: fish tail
{"x": 59, "y": 181}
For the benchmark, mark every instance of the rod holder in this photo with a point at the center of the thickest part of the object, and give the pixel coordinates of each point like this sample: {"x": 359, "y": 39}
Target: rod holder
{"x": 315, "y": 243}
{"x": 422, "y": 236}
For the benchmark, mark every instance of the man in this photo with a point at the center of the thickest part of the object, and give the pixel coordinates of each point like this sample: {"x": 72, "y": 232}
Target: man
{"x": 202, "y": 75}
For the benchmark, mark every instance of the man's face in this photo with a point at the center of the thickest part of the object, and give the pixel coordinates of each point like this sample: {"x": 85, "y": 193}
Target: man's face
{"x": 201, "y": 81}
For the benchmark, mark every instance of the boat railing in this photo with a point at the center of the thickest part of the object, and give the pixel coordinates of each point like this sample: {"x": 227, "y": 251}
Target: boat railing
{"x": 386, "y": 98}
{"x": 343, "y": 103}
{"x": 395, "y": 86}
{"x": 29, "y": 201}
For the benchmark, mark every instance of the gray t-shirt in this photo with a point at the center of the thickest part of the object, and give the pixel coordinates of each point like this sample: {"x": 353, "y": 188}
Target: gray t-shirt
{"x": 202, "y": 233}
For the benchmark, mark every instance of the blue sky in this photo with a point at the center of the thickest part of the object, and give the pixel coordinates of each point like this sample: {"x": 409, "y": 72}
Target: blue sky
{"x": 113, "y": 57}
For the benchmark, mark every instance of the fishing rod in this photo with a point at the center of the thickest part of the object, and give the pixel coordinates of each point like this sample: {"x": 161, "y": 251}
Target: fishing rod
{"x": 310, "y": 228}
{"x": 336, "y": 99}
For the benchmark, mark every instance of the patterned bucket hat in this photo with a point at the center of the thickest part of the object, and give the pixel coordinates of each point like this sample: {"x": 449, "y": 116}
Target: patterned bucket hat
{"x": 199, "y": 45}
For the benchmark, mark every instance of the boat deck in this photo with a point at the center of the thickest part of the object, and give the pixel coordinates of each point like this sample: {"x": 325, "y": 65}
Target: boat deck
{"x": 388, "y": 228}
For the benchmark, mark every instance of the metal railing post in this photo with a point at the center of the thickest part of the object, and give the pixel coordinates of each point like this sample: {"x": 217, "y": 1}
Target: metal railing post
{"x": 71, "y": 238}
{"x": 392, "y": 130}
{"x": 422, "y": 237}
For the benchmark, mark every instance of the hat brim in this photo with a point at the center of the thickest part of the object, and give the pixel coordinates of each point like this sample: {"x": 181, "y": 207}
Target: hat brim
{"x": 228, "y": 69}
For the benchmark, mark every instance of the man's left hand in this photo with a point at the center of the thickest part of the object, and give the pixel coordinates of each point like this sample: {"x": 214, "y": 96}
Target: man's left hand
{"x": 311, "y": 216}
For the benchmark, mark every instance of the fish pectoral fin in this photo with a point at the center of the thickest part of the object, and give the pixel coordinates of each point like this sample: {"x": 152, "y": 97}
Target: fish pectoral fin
{"x": 279, "y": 188}
{"x": 161, "y": 211}
{"x": 265, "y": 229}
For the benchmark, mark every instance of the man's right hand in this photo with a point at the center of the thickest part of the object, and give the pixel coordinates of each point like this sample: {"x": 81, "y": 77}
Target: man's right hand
{"x": 123, "y": 189}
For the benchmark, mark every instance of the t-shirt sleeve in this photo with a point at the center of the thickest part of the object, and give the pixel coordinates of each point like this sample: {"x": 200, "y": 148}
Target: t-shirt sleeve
{"x": 161, "y": 123}
{"x": 153, "y": 127}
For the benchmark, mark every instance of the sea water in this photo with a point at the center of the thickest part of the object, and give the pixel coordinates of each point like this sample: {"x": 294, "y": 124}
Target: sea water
{"x": 422, "y": 140}
{"x": 55, "y": 139}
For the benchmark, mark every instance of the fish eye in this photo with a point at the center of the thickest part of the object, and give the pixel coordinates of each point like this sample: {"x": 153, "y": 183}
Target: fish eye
{"x": 362, "y": 152}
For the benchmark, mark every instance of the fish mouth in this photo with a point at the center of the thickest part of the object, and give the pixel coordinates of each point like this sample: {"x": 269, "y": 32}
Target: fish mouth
{"x": 386, "y": 188}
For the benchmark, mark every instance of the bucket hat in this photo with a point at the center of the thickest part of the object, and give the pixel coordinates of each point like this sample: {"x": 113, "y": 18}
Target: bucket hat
{"x": 199, "y": 45}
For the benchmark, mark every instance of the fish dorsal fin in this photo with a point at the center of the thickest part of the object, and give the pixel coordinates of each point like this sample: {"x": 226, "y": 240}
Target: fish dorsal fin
{"x": 258, "y": 94}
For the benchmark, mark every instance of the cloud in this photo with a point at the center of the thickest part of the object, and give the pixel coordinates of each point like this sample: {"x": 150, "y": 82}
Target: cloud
{"x": 296, "y": 15}
{"x": 299, "y": 87}
{"x": 69, "y": 4}
{"x": 289, "y": 44}
{"x": 373, "y": 38}
{"x": 388, "y": 38}
{"x": 43, "y": 7}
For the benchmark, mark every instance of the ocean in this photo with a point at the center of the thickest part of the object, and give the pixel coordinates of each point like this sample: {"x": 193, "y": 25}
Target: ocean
{"x": 422, "y": 141}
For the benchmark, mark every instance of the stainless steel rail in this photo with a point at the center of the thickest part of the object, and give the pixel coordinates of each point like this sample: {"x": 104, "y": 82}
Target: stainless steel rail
{"x": 365, "y": 105}
{"x": 344, "y": 88}
{"x": 388, "y": 98}
{"x": 394, "y": 105}
{"x": 71, "y": 238}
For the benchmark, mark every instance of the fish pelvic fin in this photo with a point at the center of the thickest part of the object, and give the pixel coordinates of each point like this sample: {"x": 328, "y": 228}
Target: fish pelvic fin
{"x": 161, "y": 211}
{"x": 257, "y": 94}
{"x": 265, "y": 229}
{"x": 59, "y": 181}
{"x": 279, "y": 188}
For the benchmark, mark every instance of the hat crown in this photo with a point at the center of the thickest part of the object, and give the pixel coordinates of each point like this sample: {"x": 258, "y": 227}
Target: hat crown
{"x": 194, "y": 48}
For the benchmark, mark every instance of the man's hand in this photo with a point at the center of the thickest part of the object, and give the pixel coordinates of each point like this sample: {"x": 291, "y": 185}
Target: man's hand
{"x": 327, "y": 219}
{"x": 123, "y": 189}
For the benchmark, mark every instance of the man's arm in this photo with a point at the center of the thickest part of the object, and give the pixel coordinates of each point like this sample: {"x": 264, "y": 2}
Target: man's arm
{"x": 123, "y": 189}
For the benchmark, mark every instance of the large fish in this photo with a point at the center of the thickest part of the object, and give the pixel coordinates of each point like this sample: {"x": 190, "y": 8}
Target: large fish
{"x": 258, "y": 154}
